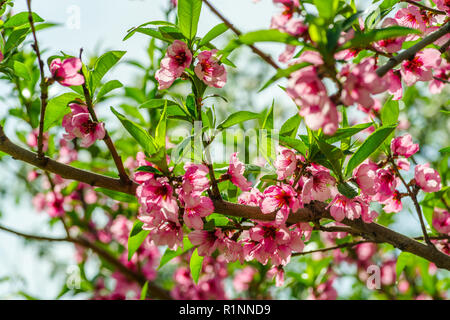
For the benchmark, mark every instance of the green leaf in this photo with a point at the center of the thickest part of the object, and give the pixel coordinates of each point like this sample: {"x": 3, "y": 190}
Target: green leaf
{"x": 271, "y": 35}
{"x": 404, "y": 259}
{"x": 238, "y": 117}
{"x": 108, "y": 87}
{"x": 369, "y": 146}
{"x": 290, "y": 127}
{"x": 332, "y": 153}
{"x": 160, "y": 133}
{"x": 327, "y": 9}
{"x": 136, "y": 238}
{"x": 103, "y": 65}
{"x": 20, "y": 19}
{"x": 445, "y": 150}
{"x": 296, "y": 144}
{"x": 116, "y": 195}
{"x": 170, "y": 254}
{"x": 57, "y": 108}
{"x": 213, "y": 33}
{"x": 363, "y": 39}
{"x": 144, "y": 291}
{"x": 347, "y": 190}
{"x": 188, "y": 16}
{"x": 281, "y": 73}
{"x": 22, "y": 70}
{"x": 157, "y": 103}
{"x": 138, "y": 133}
{"x": 343, "y": 133}
{"x": 390, "y": 112}
{"x": 16, "y": 38}
{"x": 268, "y": 120}
{"x": 196, "y": 266}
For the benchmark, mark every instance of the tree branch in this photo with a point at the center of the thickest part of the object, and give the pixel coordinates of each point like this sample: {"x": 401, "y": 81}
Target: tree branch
{"x": 312, "y": 212}
{"x": 263, "y": 55}
{"x": 424, "y": 7}
{"x": 411, "y": 52}
{"x": 44, "y": 84}
{"x": 132, "y": 275}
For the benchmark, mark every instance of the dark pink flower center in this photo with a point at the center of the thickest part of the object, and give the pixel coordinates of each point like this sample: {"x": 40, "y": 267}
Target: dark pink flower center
{"x": 88, "y": 127}
{"x": 180, "y": 58}
{"x": 270, "y": 232}
{"x": 414, "y": 64}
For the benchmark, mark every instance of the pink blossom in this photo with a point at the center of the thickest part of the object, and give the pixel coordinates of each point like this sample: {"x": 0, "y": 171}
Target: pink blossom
{"x": 318, "y": 184}
{"x": 443, "y": 5}
{"x": 243, "y": 278}
{"x": 195, "y": 180}
{"x": 385, "y": 184}
{"x": 403, "y": 164}
{"x": 306, "y": 88}
{"x": 442, "y": 73}
{"x": 236, "y": 172}
{"x": 287, "y": 54}
{"x": 388, "y": 274}
{"x": 55, "y": 204}
{"x": 360, "y": 82}
{"x": 66, "y": 72}
{"x": 342, "y": 207}
{"x": 120, "y": 229}
{"x": 251, "y": 198}
{"x": 210, "y": 70}
{"x": 410, "y": 17}
{"x": 1, "y": 56}
{"x": 403, "y": 146}
{"x": 285, "y": 163}
{"x": 277, "y": 272}
{"x": 395, "y": 84}
{"x": 393, "y": 204}
{"x": 322, "y": 115}
{"x": 177, "y": 58}
{"x": 441, "y": 221}
{"x": 196, "y": 208}
{"x": 269, "y": 241}
{"x": 67, "y": 153}
{"x": 365, "y": 175}
{"x": 206, "y": 241}
{"x": 391, "y": 45}
{"x": 420, "y": 68}
{"x": 365, "y": 251}
{"x": 369, "y": 216}
{"x": 166, "y": 233}
{"x": 79, "y": 125}
{"x": 427, "y": 178}
{"x": 324, "y": 291}
{"x": 280, "y": 199}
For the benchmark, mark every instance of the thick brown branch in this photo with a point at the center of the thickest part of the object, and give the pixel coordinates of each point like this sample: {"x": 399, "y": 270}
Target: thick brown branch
{"x": 410, "y": 52}
{"x": 313, "y": 212}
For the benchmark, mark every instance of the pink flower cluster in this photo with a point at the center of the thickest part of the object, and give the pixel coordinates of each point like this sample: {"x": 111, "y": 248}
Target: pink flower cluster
{"x": 178, "y": 57}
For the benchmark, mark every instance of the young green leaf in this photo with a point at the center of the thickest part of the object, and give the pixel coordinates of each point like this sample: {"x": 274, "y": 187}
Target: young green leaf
{"x": 57, "y": 108}
{"x": 196, "y": 266}
{"x": 20, "y": 19}
{"x": 188, "y": 16}
{"x": 213, "y": 33}
{"x": 144, "y": 291}
{"x": 116, "y": 195}
{"x": 136, "y": 238}
{"x": 103, "y": 65}
{"x": 369, "y": 146}
{"x": 290, "y": 127}
{"x": 238, "y": 117}
{"x": 22, "y": 70}
{"x": 138, "y": 133}
{"x": 108, "y": 87}
{"x": 170, "y": 254}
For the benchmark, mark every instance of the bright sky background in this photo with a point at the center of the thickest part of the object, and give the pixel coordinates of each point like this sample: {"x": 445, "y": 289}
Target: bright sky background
{"x": 103, "y": 24}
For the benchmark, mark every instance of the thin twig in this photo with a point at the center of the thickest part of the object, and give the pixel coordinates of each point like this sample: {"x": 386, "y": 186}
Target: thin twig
{"x": 44, "y": 84}
{"x": 263, "y": 55}
{"x": 107, "y": 139}
{"x": 424, "y": 7}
